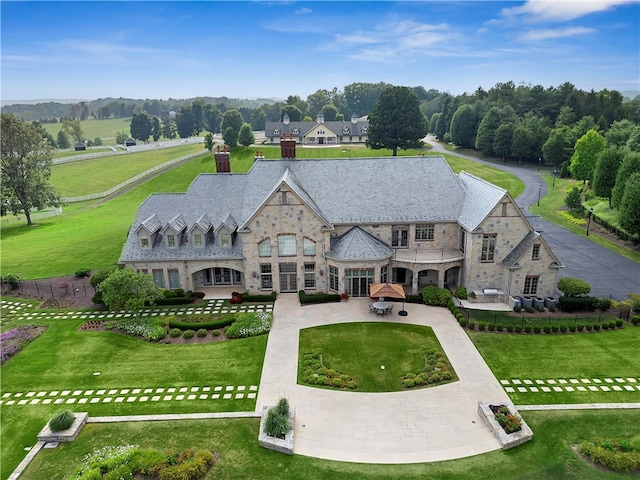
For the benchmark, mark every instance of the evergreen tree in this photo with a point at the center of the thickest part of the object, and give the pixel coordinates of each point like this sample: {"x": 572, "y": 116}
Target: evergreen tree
{"x": 630, "y": 164}
{"x": 604, "y": 176}
{"x": 630, "y": 205}
{"x": 464, "y": 125}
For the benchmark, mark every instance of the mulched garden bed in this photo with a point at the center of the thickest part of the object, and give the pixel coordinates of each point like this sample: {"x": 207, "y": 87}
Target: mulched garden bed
{"x": 99, "y": 326}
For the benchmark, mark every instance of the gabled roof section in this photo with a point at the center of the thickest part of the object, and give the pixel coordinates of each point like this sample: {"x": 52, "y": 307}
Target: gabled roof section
{"x": 151, "y": 224}
{"x": 322, "y": 125}
{"x": 177, "y": 224}
{"x": 228, "y": 222}
{"x": 203, "y": 223}
{"x": 516, "y": 254}
{"x": 480, "y": 199}
{"x": 290, "y": 181}
{"x": 357, "y": 244}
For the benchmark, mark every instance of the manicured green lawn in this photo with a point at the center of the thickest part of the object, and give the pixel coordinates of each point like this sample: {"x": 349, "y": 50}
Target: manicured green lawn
{"x": 601, "y": 355}
{"x": 348, "y": 348}
{"x": 106, "y": 128}
{"x": 548, "y": 456}
{"x": 64, "y": 358}
{"x": 73, "y": 153}
{"x": 523, "y": 319}
{"x": 100, "y": 174}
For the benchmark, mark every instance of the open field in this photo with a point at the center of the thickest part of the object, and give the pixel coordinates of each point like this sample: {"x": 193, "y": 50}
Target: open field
{"x": 347, "y": 348}
{"x": 100, "y": 174}
{"x": 92, "y": 234}
{"x": 548, "y": 456}
{"x": 106, "y": 128}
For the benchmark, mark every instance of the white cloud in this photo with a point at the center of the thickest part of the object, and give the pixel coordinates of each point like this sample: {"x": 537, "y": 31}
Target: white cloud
{"x": 561, "y": 10}
{"x": 548, "y": 33}
{"x": 303, "y": 11}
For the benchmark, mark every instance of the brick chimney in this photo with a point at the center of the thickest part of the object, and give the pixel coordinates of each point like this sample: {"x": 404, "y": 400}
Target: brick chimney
{"x": 223, "y": 160}
{"x": 288, "y": 146}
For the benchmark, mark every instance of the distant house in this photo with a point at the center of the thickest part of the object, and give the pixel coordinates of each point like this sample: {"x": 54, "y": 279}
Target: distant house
{"x": 318, "y": 132}
{"x": 129, "y": 142}
{"x": 80, "y": 145}
{"x": 338, "y": 225}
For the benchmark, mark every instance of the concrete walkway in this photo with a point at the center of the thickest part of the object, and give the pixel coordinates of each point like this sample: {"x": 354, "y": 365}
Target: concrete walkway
{"x": 424, "y": 425}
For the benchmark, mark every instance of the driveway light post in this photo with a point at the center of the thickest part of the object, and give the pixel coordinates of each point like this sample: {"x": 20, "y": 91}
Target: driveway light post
{"x": 539, "y": 193}
{"x": 589, "y": 221}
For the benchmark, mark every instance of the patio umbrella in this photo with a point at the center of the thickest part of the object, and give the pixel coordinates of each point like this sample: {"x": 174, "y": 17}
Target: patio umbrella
{"x": 391, "y": 290}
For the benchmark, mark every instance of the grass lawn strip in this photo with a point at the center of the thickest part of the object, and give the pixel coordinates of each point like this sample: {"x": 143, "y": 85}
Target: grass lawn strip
{"x": 400, "y": 350}
{"x": 548, "y": 455}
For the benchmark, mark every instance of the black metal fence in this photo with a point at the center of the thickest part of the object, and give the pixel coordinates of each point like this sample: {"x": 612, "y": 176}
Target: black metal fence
{"x": 35, "y": 288}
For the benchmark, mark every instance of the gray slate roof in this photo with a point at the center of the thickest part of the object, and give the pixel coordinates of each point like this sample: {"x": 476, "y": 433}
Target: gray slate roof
{"x": 304, "y": 128}
{"x": 357, "y": 244}
{"x": 355, "y": 191}
{"x": 511, "y": 260}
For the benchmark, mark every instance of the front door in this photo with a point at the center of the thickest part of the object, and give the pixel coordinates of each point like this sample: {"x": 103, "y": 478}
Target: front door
{"x": 288, "y": 281}
{"x": 360, "y": 287}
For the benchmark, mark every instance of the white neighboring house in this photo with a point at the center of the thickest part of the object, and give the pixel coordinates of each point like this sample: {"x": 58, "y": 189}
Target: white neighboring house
{"x": 337, "y": 225}
{"x": 318, "y": 132}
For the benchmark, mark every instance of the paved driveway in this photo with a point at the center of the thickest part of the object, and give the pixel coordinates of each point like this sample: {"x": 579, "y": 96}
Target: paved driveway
{"x": 423, "y": 425}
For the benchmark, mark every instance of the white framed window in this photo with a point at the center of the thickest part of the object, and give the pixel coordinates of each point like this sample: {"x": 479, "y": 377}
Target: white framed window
{"x": 309, "y": 247}
{"x": 425, "y": 232}
{"x": 266, "y": 277}
{"x": 309, "y": 275}
{"x": 144, "y": 242}
{"x": 531, "y": 285}
{"x": 174, "y": 278}
{"x": 224, "y": 240}
{"x": 333, "y": 278}
{"x": 488, "y": 247}
{"x": 171, "y": 241}
{"x": 286, "y": 245}
{"x": 197, "y": 240}
{"x": 400, "y": 237}
{"x": 264, "y": 248}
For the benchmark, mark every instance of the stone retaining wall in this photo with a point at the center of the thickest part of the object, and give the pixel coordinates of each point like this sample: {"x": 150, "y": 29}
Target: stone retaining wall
{"x": 278, "y": 444}
{"x": 507, "y": 440}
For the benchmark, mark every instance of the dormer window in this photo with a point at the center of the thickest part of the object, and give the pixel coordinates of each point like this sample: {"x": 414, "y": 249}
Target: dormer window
{"x": 296, "y": 131}
{"x": 197, "y": 240}
{"x": 346, "y": 130}
{"x": 364, "y": 129}
{"x": 225, "y": 240}
{"x": 171, "y": 241}
{"x": 276, "y": 131}
{"x": 144, "y": 242}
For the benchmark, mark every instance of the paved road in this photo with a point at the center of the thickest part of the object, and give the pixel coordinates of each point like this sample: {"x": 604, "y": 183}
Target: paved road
{"x": 608, "y": 273}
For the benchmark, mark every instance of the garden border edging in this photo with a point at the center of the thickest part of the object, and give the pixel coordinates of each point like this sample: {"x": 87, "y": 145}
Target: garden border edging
{"x": 507, "y": 440}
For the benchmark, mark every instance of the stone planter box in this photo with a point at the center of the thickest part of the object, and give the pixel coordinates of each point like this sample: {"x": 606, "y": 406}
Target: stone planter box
{"x": 282, "y": 445}
{"x": 507, "y": 440}
{"x": 549, "y": 302}
{"x": 68, "y": 435}
{"x": 538, "y": 304}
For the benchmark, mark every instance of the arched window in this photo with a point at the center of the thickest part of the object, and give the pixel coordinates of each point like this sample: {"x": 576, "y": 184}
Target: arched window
{"x": 264, "y": 248}
{"x": 309, "y": 247}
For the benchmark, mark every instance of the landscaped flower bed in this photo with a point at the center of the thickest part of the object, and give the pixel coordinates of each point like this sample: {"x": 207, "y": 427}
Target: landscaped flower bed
{"x": 508, "y": 427}
{"x": 315, "y": 373}
{"x": 12, "y": 341}
{"x": 250, "y": 324}
{"x": 437, "y": 369}
{"x": 620, "y": 455}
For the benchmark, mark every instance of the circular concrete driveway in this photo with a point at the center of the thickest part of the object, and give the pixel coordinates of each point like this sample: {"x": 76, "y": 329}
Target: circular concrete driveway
{"x": 425, "y": 425}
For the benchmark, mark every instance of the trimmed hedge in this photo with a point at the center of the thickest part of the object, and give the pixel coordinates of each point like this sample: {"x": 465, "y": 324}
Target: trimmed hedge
{"x": 259, "y": 297}
{"x": 61, "y": 420}
{"x": 213, "y": 324}
{"x": 588, "y": 304}
{"x": 306, "y": 299}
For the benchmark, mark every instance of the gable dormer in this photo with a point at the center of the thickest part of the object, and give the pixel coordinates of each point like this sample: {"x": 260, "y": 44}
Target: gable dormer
{"x": 147, "y": 231}
{"x": 200, "y": 233}
{"x": 174, "y": 232}
{"x": 225, "y": 232}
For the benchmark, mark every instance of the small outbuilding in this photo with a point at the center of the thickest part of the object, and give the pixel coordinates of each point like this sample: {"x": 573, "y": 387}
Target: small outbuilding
{"x": 80, "y": 145}
{"x": 129, "y": 142}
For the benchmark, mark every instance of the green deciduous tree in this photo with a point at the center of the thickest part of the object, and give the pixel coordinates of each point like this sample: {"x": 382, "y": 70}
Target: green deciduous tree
{"x": 585, "y": 155}
{"x": 330, "y": 112}
{"x": 629, "y": 215}
{"x": 26, "y": 168}
{"x": 141, "y": 126}
{"x": 232, "y": 118}
{"x": 293, "y": 112}
{"x": 169, "y": 128}
{"x": 573, "y": 287}
{"x": 488, "y": 126}
{"x": 503, "y": 139}
{"x": 559, "y": 146}
{"x": 156, "y": 129}
{"x": 73, "y": 129}
{"x": 396, "y": 121}
{"x": 63, "y": 140}
{"x": 464, "y": 125}
{"x": 230, "y": 137}
{"x": 126, "y": 289}
{"x": 604, "y": 176}
{"x": 630, "y": 164}
{"x": 573, "y": 200}
{"x": 208, "y": 142}
{"x": 246, "y": 137}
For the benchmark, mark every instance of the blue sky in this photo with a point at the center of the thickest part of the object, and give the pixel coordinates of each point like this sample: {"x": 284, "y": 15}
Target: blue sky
{"x": 157, "y": 49}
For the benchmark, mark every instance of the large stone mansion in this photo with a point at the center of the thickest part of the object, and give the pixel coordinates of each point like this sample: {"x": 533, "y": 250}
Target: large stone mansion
{"x": 339, "y": 225}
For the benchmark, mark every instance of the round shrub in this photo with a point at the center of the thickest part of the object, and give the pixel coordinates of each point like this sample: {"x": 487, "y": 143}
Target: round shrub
{"x": 596, "y": 327}
{"x": 605, "y": 325}
{"x": 500, "y": 327}
{"x": 580, "y": 327}
{"x": 563, "y": 328}
{"x": 462, "y": 322}
{"x": 547, "y": 329}
{"x": 61, "y": 420}
{"x": 588, "y": 327}
{"x": 518, "y": 328}
{"x": 527, "y": 329}
{"x": 175, "y": 332}
{"x": 554, "y": 328}
{"x": 97, "y": 298}
{"x": 572, "y": 328}
{"x": 409, "y": 382}
{"x": 618, "y": 323}
{"x": 461, "y": 293}
{"x": 187, "y": 334}
{"x": 481, "y": 326}
{"x": 635, "y": 320}
{"x": 201, "y": 333}
{"x": 492, "y": 327}
{"x": 536, "y": 329}
{"x": 472, "y": 325}
{"x": 215, "y": 333}
{"x": 509, "y": 328}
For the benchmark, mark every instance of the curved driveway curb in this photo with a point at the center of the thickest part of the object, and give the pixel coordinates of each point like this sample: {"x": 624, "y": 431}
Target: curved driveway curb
{"x": 425, "y": 425}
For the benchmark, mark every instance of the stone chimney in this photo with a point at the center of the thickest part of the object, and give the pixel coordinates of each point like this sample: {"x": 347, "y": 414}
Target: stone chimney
{"x": 259, "y": 156}
{"x": 223, "y": 160}
{"x": 288, "y": 146}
